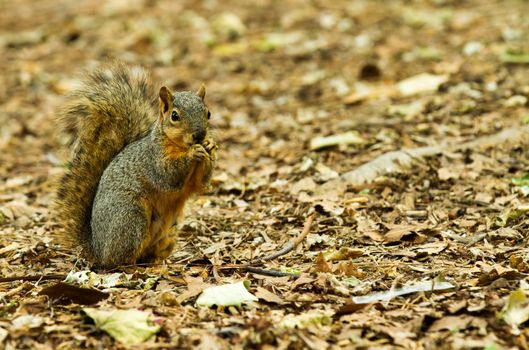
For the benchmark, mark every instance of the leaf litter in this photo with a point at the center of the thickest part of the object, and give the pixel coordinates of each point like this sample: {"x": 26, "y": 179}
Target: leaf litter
{"x": 431, "y": 184}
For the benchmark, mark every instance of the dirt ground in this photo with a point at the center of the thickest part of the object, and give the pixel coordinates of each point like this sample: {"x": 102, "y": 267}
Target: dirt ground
{"x": 279, "y": 75}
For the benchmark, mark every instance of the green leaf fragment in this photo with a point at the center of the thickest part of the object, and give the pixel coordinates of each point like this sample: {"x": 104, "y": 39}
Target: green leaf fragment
{"x": 522, "y": 184}
{"x": 149, "y": 283}
{"x": 233, "y": 294}
{"x": 129, "y": 327}
{"x": 510, "y": 215}
{"x": 515, "y": 58}
{"x": 516, "y": 310}
{"x": 344, "y": 253}
{"x": 351, "y": 281}
{"x": 290, "y": 270}
{"x": 521, "y": 181}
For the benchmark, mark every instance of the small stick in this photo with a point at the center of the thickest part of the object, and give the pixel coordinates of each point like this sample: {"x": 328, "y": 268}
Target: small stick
{"x": 293, "y": 243}
{"x": 32, "y": 278}
{"x": 274, "y": 273}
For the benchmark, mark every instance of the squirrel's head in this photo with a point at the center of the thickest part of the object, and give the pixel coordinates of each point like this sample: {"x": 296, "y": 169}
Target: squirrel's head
{"x": 184, "y": 116}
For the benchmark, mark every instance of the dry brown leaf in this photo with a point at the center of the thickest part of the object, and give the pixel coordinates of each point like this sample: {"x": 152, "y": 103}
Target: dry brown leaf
{"x": 63, "y": 292}
{"x": 266, "y": 295}
{"x": 451, "y": 323}
{"x": 195, "y": 286}
{"x": 321, "y": 264}
{"x": 396, "y": 232}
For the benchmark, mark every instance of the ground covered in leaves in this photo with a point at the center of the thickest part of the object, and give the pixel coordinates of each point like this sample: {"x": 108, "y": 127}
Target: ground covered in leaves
{"x": 427, "y": 253}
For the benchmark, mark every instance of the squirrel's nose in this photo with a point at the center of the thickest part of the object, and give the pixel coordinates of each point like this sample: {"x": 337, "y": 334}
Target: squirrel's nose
{"x": 198, "y": 136}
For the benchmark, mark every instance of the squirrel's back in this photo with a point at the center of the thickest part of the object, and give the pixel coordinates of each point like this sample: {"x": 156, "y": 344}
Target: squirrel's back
{"x": 114, "y": 107}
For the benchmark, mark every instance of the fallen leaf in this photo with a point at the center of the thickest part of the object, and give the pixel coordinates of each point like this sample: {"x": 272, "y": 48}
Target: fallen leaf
{"x": 349, "y": 308}
{"x": 510, "y": 215}
{"x": 344, "y": 253}
{"x": 129, "y": 327}
{"x": 70, "y": 293}
{"x": 436, "y": 284}
{"x": 9, "y": 248}
{"x": 195, "y": 286}
{"x": 496, "y": 272}
{"x": 168, "y": 298}
{"x": 305, "y": 184}
{"x": 88, "y": 278}
{"x": 522, "y": 184}
{"x": 321, "y": 264}
{"x": 408, "y": 111}
{"x": 432, "y": 248}
{"x": 266, "y": 295}
{"x": 27, "y": 321}
{"x": 325, "y": 173}
{"x": 369, "y": 92}
{"x": 228, "y": 25}
{"x": 348, "y": 138}
{"x": 311, "y": 318}
{"x": 515, "y": 58}
{"x": 445, "y": 174}
{"x": 226, "y": 295}
{"x": 516, "y": 310}
{"x": 396, "y": 232}
{"x": 314, "y": 239}
{"x": 451, "y": 323}
{"x": 421, "y": 83}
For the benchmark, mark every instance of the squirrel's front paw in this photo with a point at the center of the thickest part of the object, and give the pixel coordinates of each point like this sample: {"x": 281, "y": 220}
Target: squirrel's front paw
{"x": 199, "y": 153}
{"x": 210, "y": 146}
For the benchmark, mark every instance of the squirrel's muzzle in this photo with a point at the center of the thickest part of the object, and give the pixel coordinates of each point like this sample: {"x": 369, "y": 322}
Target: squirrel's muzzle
{"x": 198, "y": 136}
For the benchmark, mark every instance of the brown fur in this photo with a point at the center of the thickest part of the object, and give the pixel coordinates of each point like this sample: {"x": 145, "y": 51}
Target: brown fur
{"x": 175, "y": 143}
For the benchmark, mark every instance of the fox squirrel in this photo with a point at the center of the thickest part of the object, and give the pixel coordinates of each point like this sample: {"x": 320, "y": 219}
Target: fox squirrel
{"x": 131, "y": 171}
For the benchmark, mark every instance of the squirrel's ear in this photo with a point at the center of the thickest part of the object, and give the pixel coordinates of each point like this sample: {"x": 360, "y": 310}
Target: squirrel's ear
{"x": 166, "y": 99}
{"x": 202, "y": 91}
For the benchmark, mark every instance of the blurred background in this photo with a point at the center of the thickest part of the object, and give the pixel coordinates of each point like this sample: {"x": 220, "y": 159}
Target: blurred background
{"x": 278, "y": 73}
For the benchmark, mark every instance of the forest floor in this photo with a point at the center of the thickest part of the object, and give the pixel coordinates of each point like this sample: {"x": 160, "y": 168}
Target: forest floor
{"x": 438, "y": 245}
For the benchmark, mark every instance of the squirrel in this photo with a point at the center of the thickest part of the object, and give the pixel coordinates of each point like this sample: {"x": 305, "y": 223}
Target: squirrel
{"x": 133, "y": 166}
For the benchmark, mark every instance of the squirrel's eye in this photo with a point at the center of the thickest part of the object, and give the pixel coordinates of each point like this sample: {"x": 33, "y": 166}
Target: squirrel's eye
{"x": 209, "y": 114}
{"x": 175, "y": 117}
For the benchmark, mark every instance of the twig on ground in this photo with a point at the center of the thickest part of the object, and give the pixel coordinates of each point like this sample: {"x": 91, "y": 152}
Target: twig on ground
{"x": 32, "y": 278}
{"x": 293, "y": 243}
{"x": 290, "y": 246}
{"x": 274, "y": 273}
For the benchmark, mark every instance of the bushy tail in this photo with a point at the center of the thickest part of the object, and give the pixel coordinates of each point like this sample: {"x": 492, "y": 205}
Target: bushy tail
{"x": 114, "y": 106}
